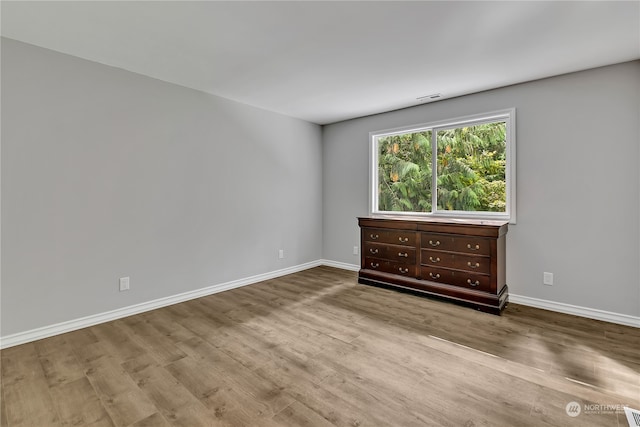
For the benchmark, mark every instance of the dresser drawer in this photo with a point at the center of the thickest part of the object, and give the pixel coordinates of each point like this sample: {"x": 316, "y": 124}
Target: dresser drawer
{"x": 451, "y": 243}
{"x": 394, "y": 237}
{"x": 464, "y": 279}
{"x": 472, "y": 245}
{"x": 434, "y": 274}
{"x": 471, "y": 263}
{"x": 390, "y": 267}
{"x": 401, "y": 254}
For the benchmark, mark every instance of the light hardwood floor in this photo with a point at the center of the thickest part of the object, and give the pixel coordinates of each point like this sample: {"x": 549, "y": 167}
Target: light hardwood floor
{"x": 316, "y": 349}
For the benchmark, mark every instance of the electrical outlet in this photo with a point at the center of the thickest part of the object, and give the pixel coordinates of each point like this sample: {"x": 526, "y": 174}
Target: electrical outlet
{"x": 281, "y": 253}
{"x": 547, "y": 278}
{"x": 124, "y": 284}
{"x": 355, "y": 250}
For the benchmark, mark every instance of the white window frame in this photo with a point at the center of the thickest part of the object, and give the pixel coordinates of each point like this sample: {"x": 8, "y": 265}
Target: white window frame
{"x": 507, "y": 115}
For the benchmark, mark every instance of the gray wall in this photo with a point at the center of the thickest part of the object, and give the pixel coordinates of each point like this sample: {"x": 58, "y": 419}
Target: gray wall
{"x": 577, "y": 183}
{"x": 107, "y": 173}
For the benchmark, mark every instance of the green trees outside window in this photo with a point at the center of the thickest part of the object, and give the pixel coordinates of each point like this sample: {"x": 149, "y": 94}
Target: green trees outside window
{"x": 404, "y": 172}
{"x": 470, "y": 168}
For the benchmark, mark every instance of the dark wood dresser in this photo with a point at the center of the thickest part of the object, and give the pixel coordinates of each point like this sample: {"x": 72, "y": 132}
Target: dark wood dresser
{"x": 459, "y": 260}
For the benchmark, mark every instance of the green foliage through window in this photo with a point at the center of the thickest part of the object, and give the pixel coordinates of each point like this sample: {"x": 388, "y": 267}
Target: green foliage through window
{"x": 404, "y": 172}
{"x": 470, "y": 164}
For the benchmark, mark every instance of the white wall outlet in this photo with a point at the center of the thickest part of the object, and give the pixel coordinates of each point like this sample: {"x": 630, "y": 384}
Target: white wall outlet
{"x": 124, "y": 284}
{"x": 281, "y": 253}
{"x": 355, "y": 250}
{"x": 547, "y": 278}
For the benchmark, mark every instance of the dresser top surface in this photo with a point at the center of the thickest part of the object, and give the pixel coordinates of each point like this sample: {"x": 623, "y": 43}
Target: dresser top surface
{"x": 470, "y": 227}
{"x": 437, "y": 220}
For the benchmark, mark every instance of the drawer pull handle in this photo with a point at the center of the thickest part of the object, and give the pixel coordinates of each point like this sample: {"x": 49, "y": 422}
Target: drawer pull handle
{"x": 434, "y": 276}
{"x": 403, "y": 239}
{"x": 476, "y": 265}
{"x": 375, "y": 236}
{"x": 403, "y": 254}
{"x": 375, "y": 265}
{"x": 473, "y": 248}
{"x": 373, "y": 251}
{"x": 434, "y": 260}
{"x": 476, "y": 283}
{"x": 403, "y": 270}
{"x": 436, "y": 243}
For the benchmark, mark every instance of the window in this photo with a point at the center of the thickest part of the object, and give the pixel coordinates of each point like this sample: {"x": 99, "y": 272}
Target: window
{"x": 457, "y": 168}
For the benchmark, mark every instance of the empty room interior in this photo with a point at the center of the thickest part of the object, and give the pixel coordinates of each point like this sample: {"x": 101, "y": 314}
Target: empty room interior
{"x": 339, "y": 214}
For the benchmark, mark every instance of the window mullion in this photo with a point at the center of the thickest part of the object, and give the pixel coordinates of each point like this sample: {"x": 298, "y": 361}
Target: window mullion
{"x": 434, "y": 170}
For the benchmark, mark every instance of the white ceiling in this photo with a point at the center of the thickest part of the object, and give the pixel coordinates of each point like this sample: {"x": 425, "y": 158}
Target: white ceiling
{"x": 330, "y": 61}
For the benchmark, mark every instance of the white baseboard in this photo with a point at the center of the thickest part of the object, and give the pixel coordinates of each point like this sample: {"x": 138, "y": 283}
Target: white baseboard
{"x": 342, "y": 265}
{"x": 591, "y": 313}
{"x": 84, "y": 322}
{"x": 72, "y": 325}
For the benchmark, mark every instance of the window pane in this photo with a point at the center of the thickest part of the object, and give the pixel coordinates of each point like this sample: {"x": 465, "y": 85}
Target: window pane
{"x": 404, "y": 172}
{"x": 471, "y": 168}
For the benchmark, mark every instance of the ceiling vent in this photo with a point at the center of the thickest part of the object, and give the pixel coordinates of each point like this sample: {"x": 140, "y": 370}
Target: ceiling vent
{"x": 633, "y": 417}
{"x": 429, "y": 97}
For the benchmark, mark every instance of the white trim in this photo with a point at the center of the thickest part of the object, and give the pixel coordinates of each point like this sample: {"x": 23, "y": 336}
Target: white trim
{"x": 341, "y": 265}
{"x": 510, "y": 171}
{"x": 84, "y": 322}
{"x": 94, "y": 319}
{"x": 590, "y": 313}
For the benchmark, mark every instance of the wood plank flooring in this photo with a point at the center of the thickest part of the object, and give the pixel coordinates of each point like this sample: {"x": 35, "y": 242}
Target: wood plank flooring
{"x": 316, "y": 349}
